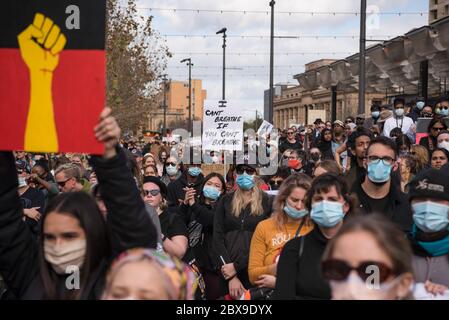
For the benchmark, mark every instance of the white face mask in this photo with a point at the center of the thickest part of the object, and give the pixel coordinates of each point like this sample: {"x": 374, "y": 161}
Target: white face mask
{"x": 399, "y": 112}
{"x": 62, "y": 256}
{"x": 354, "y": 288}
{"x": 444, "y": 145}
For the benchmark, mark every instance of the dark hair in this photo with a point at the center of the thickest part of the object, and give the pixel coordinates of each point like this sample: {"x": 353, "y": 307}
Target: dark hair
{"x": 283, "y": 172}
{"x": 385, "y": 142}
{"x": 324, "y": 183}
{"x": 359, "y": 132}
{"x": 399, "y": 101}
{"x": 434, "y": 121}
{"x": 207, "y": 178}
{"x": 444, "y": 99}
{"x": 395, "y": 132}
{"x": 402, "y": 140}
{"x": 154, "y": 168}
{"x": 351, "y": 118}
{"x": 324, "y": 133}
{"x": 446, "y": 153}
{"x": 82, "y": 207}
{"x": 375, "y": 107}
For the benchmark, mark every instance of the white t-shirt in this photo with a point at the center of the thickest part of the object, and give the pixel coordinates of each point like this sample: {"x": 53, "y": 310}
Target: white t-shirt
{"x": 405, "y": 123}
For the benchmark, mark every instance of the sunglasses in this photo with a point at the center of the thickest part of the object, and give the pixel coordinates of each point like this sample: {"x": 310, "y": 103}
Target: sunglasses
{"x": 170, "y": 164}
{"x": 249, "y": 171}
{"x": 437, "y": 129}
{"x": 62, "y": 183}
{"x": 276, "y": 182}
{"x": 339, "y": 270}
{"x": 348, "y": 121}
{"x": 153, "y": 192}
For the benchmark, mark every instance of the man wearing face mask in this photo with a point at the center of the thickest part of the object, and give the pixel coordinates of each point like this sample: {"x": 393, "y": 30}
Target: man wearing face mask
{"x": 379, "y": 193}
{"x": 417, "y": 109}
{"x": 297, "y": 163}
{"x": 429, "y": 196}
{"x": 399, "y": 120}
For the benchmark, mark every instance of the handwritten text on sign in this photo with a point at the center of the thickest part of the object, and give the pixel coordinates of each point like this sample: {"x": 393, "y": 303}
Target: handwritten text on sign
{"x": 222, "y": 129}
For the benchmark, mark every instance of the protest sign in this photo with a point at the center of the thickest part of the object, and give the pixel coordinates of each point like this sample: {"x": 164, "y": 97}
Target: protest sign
{"x": 52, "y": 84}
{"x": 265, "y": 129}
{"x": 222, "y": 129}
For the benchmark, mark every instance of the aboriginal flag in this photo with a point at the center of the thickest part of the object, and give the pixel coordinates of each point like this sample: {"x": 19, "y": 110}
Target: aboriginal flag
{"x": 52, "y": 74}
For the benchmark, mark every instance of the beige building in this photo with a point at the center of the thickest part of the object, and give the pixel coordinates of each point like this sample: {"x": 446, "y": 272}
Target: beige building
{"x": 438, "y": 9}
{"x": 177, "y": 97}
{"x": 290, "y": 106}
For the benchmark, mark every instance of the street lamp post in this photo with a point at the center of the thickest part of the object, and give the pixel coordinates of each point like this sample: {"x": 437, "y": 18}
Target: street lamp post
{"x": 270, "y": 109}
{"x": 189, "y": 63}
{"x": 164, "y": 130}
{"x": 223, "y": 31}
{"x": 362, "y": 54}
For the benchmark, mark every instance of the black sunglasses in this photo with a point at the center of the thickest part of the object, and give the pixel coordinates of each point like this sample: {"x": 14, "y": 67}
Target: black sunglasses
{"x": 170, "y": 164}
{"x": 153, "y": 192}
{"x": 339, "y": 270}
{"x": 62, "y": 183}
{"x": 276, "y": 182}
{"x": 248, "y": 170}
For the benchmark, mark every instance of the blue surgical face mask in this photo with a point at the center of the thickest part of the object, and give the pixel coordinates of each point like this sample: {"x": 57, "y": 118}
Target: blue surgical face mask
{"x": 294, "y": 213}
{"x": 444, "y": 112}
{"x": 379, "y": 172}
{"x": 171, "y": 171}
{"x": 245, "y": 181}
{"x": 430, "y": 216}
{"x": 420, "y": 105}
{"x": 194, "y": 171}
{"x": 211, "y": 192}
{"x": 327, "y": 214}
{"x": 375, "y": 114}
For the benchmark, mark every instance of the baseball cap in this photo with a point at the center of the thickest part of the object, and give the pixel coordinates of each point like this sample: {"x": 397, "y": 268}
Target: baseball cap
{"x": 430, "y": 183}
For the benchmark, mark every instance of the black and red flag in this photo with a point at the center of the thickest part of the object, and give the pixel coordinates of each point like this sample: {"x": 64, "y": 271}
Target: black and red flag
{"x": 52, "y": 74}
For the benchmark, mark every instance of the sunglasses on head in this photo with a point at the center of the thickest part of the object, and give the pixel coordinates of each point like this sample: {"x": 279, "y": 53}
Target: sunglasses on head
{"x": 153, "y": 192}
{"x": 339, "y": 270}
{"x": 248, "y": 170}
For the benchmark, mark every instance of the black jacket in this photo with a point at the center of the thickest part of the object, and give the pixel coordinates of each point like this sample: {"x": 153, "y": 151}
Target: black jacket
{"x": 399, "y": 210}
{"x": 175, "y": 189}
{"x": 299, "y": 274}
{"x": 232, "y": 235}
{"x": 128, "y": 223}
{"x": 287, "y": 145}
{"x": 201, "y": 215}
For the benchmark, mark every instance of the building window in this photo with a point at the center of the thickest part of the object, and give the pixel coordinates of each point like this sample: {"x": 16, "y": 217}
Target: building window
{"x": 446, "y": 9}
{"x": 435, "y": 2}
{"x": 434, "y": 14}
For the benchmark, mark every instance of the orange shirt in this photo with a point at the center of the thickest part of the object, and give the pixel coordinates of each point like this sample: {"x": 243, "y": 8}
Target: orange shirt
{"x": 267, "y": 243}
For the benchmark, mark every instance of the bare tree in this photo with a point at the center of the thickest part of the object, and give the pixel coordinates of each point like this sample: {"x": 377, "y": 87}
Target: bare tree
{"x": 136, "y": 58}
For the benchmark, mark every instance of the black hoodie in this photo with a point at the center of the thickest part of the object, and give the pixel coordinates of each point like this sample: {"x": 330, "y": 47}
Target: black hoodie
{"x": 175, "y": 189}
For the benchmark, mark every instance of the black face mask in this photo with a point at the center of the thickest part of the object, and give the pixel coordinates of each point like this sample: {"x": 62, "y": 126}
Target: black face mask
{"x": 427, "y": 115}
{"x": 315, "y": 157}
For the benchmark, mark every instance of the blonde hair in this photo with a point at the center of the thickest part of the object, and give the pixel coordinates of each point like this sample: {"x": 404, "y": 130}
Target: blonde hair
{"x": 239, "y": 203}
{"x": 421, "y": 156}
{"x": 294, "y": 181}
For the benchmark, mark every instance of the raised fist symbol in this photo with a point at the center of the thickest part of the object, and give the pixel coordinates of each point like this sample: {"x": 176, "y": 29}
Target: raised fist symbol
{"x": 40, "y": 44}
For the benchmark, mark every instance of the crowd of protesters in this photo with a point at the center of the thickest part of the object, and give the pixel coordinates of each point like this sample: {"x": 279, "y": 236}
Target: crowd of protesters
{"x": 351, "y": 201}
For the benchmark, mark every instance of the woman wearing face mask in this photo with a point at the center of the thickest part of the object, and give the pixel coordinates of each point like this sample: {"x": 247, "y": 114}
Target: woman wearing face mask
{"x": 403, "y": 145}
{"x": 298, "y": 271}
{"x": 172, "y": 171}
{"x": 429, "y": 198}
{"x": 236, "y": 217}
{"x": 199, "y": 214}
{"x": 290, "y": 219}
{"x": 145, "y": 274}
{"x": 436, "y": 126}
{"x": 443, "y": 140}
{"x": 325, "y": 145}
{"x": 365, "y": 244}
{"x": 439, "y": 158}
{"x": 74, "y": 235}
